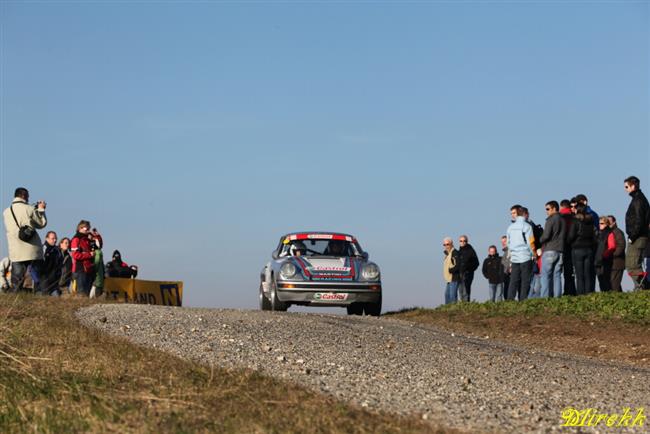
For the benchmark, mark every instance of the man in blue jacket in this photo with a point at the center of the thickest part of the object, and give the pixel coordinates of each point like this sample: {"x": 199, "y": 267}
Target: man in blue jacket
{"x": 521, "y": 246}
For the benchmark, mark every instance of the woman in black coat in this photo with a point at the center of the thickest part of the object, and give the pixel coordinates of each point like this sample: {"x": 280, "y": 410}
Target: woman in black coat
{"x": 582, "y": 238}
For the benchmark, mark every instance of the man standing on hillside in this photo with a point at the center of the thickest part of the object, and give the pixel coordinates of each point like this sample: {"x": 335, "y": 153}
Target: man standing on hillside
{"x": 467, "y": 264}
{"x": 450, "y": 271}
{"x": 618, "y": 261}
{"x": 52, "y": 266}
{"x": 567, "y": 260}
{"x": 23, "y": 252}
{"x": 552, "y": 243}
{"x": 637, "y": 222}
{"x": 521, "y": 246}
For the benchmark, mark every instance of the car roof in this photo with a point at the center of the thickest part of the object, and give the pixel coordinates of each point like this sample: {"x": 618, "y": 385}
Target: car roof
{"x": 319, "y": 234}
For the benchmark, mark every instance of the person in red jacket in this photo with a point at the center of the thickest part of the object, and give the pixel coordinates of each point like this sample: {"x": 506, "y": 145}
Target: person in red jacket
{"x": 82, "y": 249}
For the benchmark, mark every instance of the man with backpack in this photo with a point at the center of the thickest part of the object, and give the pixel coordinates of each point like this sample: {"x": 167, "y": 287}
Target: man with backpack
{"x": 521, "y": 245}
{"x": 24, "y": 244}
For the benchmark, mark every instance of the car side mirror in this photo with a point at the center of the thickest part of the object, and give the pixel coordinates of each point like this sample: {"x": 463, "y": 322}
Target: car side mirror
{"x": 365, "y": 255}
{"x": 274, "y": 254}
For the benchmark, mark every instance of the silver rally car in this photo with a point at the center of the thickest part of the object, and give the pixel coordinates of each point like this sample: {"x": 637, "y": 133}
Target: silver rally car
{"x": 321, "y": 269}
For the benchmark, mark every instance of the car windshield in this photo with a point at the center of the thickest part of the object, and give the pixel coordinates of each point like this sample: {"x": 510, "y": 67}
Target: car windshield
{"x": 336, "y": 248}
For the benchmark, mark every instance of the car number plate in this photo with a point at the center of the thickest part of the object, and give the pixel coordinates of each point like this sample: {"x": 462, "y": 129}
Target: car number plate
{"x": 331, "y": 296}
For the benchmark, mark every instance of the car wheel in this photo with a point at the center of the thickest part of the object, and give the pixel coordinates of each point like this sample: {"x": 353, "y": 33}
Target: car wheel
{"x": 265, "y": 304}
{"x": 372, "y": 309}
{"x": 276, "y": 304}
{"x": 355, "y": 309}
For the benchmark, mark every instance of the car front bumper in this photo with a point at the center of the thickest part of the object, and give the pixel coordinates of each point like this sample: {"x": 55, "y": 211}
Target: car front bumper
{"x": 328, "y": 293}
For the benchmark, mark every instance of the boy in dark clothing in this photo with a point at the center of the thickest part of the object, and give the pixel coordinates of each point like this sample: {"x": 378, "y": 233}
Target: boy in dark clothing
{"x": 493, "y": 272}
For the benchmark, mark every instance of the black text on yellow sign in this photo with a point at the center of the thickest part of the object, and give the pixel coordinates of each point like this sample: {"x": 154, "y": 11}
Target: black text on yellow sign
{"x": 144, "y": 291}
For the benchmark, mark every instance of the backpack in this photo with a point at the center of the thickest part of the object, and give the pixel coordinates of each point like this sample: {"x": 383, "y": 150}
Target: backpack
{"x": 538, "y": 231}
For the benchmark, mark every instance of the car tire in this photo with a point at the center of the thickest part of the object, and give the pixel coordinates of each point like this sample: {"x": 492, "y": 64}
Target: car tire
{"x": 275, "y": 303}
{"x": 355, "y": 309}
{"x": 265, "y": 304}
{"x": 372, "y": 309}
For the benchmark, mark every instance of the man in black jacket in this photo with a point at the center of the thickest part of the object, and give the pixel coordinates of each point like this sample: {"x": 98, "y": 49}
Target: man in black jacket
{"x": 552, "y": 242}
{"x": 637, "y": 223}
{"x": 467, "y": 264}
{"x": 51, "y": 267}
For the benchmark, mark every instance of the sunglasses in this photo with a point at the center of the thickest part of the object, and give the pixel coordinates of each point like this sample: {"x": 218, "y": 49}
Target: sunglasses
{"x": 446, "y": 244}
{"x": 548, "y": 209}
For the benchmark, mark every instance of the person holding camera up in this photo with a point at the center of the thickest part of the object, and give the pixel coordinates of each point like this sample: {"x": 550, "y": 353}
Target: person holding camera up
{"x": 24, "y": 244}
{"x": 82, "y": 250}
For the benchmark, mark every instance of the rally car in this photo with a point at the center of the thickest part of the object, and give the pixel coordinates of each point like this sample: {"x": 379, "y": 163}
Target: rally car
{"x": 321, "y": 269}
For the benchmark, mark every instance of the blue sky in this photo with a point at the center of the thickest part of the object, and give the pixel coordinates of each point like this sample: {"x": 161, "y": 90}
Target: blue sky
{"x": 193, "y": 135}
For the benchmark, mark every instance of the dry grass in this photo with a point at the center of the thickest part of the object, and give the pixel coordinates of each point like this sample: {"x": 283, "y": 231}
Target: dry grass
{"x": 57, "y": 376}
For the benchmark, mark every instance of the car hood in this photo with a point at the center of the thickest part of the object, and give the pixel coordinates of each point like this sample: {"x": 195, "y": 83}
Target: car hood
{"x": 328, "y": 268}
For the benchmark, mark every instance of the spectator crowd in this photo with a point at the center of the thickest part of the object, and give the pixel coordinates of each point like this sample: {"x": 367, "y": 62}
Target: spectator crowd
{"x": 70, "y": 266}
{"x": 573, "y": 250}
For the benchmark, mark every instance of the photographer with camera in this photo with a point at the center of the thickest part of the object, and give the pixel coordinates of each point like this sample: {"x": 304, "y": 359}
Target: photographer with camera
{"x": 82, "y": 249}
{"x": 24, "y": 244}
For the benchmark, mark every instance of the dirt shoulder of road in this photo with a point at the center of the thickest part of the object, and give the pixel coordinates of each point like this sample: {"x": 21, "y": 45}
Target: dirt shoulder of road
{"x": 604, "y": 339}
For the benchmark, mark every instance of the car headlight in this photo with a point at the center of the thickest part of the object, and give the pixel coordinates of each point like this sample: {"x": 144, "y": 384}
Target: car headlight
{"x": 288, "y": 270}
{"x": 370, "y": 272}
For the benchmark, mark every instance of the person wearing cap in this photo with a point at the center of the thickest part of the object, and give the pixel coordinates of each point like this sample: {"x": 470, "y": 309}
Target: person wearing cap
{"x": 118, "y": 268}
{"x": 450, "y": 271}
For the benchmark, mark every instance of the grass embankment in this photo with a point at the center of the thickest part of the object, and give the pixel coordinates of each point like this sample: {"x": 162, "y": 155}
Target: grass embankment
{"x": 57, "y": 376}
{"x": 609, "y": 326}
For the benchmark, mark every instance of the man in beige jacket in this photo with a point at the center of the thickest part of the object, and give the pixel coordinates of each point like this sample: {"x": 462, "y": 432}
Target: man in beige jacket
{"x": 22, "y": 254}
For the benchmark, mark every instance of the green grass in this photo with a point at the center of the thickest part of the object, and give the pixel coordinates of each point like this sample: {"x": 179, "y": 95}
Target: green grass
{"x": 57, "y": 376}
{"x": 629, "y": 307}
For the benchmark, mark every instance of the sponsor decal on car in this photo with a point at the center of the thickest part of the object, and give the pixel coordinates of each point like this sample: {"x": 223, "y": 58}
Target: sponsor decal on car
{"x": 346, "y": 269}
{"x": 331, "y": 296}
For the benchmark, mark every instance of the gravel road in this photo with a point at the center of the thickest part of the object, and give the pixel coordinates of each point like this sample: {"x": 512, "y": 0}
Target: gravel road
{"x": 381, "y": 363}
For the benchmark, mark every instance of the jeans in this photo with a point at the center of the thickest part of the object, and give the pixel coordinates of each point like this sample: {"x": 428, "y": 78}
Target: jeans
{"x": 18, "y": 271}
{"x": 496, "y": 291}
{"x": 583, "y": 268}
{"x": 451, "y": 292}
{"x": 535, "y": 285}
{"x": 465, "y": 285}
{"x": 551, "y": 275}
{"x": 84, "y": 281}
{"x": 520, "y": 280}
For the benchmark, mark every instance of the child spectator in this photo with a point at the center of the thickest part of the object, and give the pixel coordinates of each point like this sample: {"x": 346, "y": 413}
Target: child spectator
{"x": 493, "y": 272}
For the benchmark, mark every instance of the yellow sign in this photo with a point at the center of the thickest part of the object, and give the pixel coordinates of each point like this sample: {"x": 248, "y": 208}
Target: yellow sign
{"x": 144, "y": 291}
